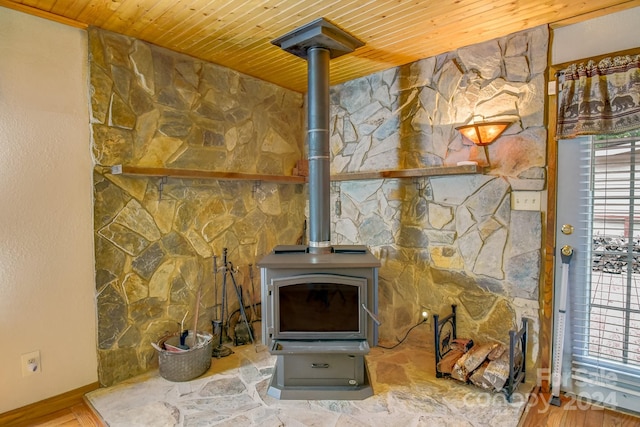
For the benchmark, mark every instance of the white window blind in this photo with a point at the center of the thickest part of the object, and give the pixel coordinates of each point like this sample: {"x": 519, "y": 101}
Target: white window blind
{"x": 605, "y": 304}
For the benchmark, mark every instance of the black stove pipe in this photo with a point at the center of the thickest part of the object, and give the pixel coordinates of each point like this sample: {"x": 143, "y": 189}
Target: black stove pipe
{"x": 318, "y": 142}
{"x": 318, "y": 42}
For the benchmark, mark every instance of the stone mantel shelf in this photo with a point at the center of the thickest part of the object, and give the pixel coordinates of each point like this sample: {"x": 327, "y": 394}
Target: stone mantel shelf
{"x": 294, "y": 179}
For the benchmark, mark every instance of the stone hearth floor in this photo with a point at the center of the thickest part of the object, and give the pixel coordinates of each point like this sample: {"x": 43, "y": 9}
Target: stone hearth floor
{"x": 233, "y": 392}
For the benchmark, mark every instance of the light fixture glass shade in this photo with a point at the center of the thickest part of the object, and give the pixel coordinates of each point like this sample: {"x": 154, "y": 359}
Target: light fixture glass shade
{"x": 483, "y": 133}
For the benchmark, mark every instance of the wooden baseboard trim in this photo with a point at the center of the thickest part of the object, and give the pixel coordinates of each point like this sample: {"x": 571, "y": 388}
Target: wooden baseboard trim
{"x": 22, "y": 416}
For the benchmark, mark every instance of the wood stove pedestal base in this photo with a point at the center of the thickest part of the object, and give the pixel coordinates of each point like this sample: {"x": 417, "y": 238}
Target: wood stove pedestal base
{"x": 320, "y": 370}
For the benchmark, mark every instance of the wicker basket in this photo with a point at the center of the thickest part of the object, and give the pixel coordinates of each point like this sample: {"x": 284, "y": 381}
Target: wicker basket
{"x": 186, "y": 365}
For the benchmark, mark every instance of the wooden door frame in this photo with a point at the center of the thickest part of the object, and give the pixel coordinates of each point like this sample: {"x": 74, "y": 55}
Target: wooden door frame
{"x": 546, "y": 290}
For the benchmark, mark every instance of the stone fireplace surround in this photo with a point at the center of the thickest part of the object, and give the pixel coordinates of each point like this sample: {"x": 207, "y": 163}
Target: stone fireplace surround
{"x": 456, "y": 241}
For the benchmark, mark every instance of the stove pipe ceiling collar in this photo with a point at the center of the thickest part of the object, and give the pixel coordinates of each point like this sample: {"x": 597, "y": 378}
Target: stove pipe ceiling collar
{"x": 318, "y": 42}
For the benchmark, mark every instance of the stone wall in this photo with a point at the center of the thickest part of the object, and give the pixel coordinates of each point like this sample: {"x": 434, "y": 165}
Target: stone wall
{"x": 152, "y": 107}
{"x": 454, "y": 239}
{"x": 441, "y": 240}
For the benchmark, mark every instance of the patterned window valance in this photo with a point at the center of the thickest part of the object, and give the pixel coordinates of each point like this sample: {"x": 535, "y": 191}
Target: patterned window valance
{"x": 600, "y": 98}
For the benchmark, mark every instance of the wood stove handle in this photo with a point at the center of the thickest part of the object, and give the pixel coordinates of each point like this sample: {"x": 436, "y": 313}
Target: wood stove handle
{"x": 320, "y": 365}
{"x": 373, "y": 316}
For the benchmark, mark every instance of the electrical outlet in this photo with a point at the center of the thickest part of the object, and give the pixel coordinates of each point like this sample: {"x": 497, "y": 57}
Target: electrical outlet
{"x": 31, "y": 363}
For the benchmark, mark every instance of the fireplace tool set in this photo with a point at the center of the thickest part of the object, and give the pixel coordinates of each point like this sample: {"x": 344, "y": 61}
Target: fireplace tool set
{"x": 243, "y": 331}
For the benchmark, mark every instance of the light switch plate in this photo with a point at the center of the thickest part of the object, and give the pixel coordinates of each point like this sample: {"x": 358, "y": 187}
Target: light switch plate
{"x": 525, "y": 200}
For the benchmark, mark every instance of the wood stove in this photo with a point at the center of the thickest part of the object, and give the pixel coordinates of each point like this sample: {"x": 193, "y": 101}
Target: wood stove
{"x": 319, "y": 301}
{"x": 318, "y": 318}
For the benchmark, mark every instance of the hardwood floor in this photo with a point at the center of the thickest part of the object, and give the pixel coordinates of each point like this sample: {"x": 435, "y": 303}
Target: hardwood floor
{"x": 67, "y": 409}
{"x": 78, "y": 415}
{"x": 572, "y": 413}
{"x": 539, "y": 414}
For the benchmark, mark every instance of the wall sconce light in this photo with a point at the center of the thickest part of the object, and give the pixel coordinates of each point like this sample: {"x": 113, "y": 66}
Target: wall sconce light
{"x": 483, "y": 134}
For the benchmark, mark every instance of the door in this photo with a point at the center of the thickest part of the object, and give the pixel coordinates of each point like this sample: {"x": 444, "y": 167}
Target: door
{"x": 598, "y": 215}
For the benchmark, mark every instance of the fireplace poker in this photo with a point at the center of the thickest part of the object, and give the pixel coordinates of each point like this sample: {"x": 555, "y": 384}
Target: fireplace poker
{"x": 215, "y": 287}
{"x": 253, "y": 295}
{"x": 243, "y": 313}
{"x": 221, "y": 350}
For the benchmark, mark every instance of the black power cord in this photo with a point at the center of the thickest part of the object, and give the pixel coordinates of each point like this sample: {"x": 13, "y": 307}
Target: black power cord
{"x": 405, "y": 336}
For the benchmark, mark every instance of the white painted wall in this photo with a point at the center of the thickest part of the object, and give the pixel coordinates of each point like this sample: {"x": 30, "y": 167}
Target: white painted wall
{"x": 46, "y": 215}
{"x": 599, "y": 36}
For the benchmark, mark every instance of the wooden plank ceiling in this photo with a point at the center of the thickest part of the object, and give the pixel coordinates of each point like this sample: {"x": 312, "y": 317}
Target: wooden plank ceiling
{"x": 238, "y": 33}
